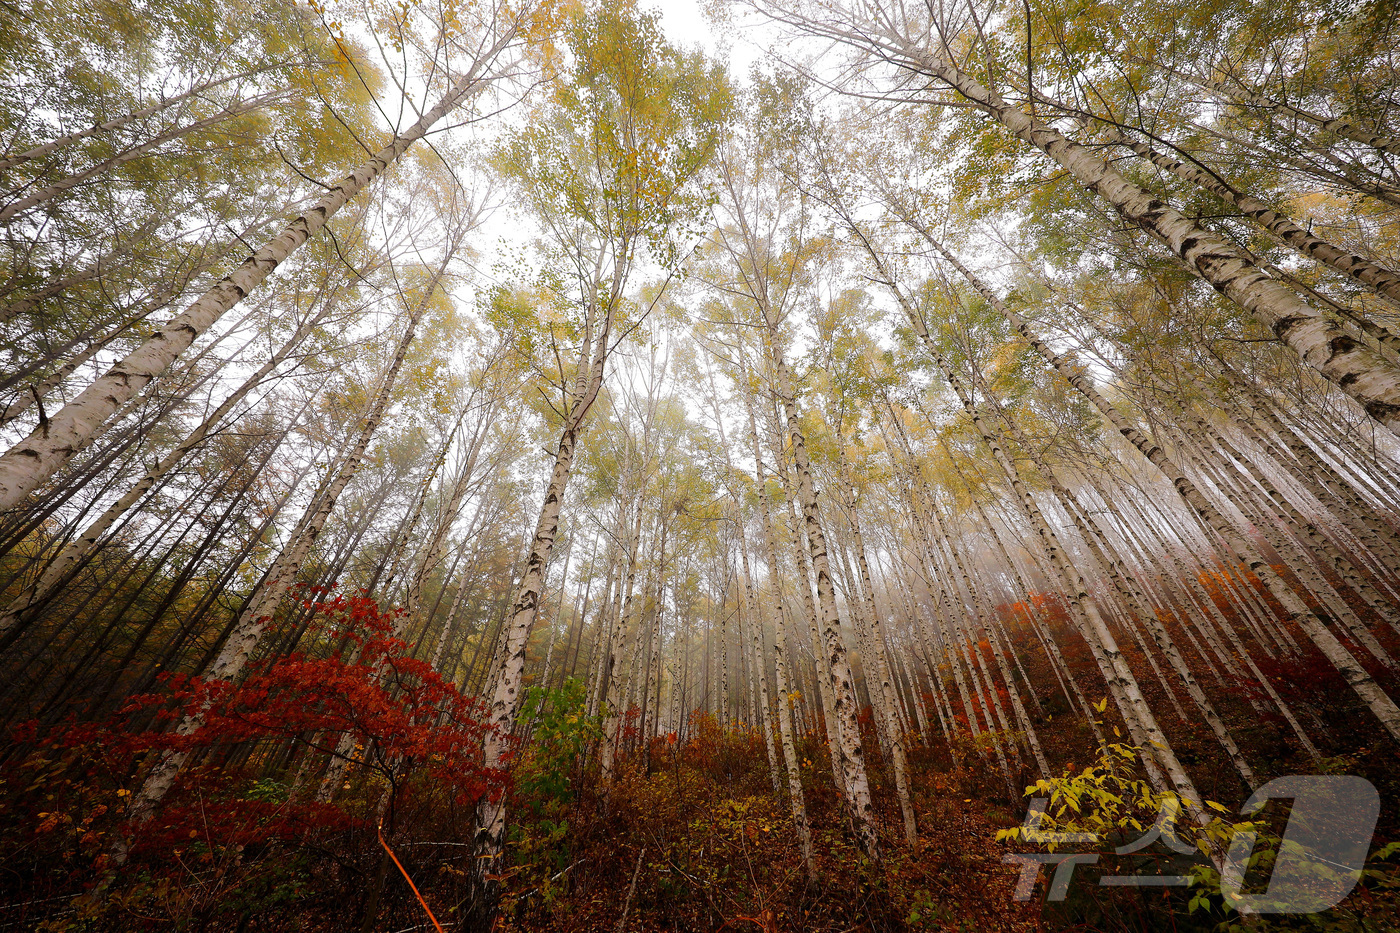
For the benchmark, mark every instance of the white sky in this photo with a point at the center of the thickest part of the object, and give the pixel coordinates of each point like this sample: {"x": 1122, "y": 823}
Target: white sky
{"x": 683, "y": 20}
{"x": 686, "y": 25}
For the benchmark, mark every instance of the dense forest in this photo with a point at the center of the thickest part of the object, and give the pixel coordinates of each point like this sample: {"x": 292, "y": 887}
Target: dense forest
{"x": 508, "y": 466}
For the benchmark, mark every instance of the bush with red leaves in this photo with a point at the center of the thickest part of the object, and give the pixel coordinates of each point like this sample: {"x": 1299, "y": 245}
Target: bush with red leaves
{"x": 407, "y": 739}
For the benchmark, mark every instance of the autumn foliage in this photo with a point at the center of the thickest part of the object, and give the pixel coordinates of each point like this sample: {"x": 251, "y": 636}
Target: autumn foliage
{"x": 263, "y": 749}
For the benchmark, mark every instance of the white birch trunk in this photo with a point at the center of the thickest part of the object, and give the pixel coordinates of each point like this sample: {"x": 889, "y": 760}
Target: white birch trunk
{"x": 804, "y": 587}
{"x": 1361, "y": 681}
{"x": 1383, "y": 281}
{"x": 57, "y": 573}
{"x": 861, "y": 808}
{"x": 49, "y": 192}
{"x": 1119, "y": 677}
{"x": 796, "y": 799}
{"x": 1342, "y": 500}
{"x": 760, "y": 665}
{"x": 1342, "y": 126}
{"x": 1372, "y": 381}
{"x": 982, "y": 615}
{"x": 165, "y": 103}
{"x": 510, "y": 667}
{"x": 885, "y": 687}
{"x": 33, "y": 460}
{"x": 257, "y": 613}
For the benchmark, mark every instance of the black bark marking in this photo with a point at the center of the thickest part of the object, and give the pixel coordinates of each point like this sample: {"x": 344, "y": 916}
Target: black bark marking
{"x": 1384, "y": 412}
{"x": 1341, "y": 344}
{"x": 1284, "y": 326}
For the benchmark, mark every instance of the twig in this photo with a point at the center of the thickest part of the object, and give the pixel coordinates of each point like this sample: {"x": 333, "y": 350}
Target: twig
{"x": 426, "y": 909}
{"x": 631, "y": 889}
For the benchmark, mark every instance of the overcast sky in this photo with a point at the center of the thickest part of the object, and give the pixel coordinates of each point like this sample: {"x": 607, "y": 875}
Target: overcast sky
{"x": 686, "y": 25}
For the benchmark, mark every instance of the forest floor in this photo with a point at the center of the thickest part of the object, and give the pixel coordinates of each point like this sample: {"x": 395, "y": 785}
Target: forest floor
{"x": 716, "y": 850}
{"x": 688, "y": 835}
{"x": 696, "y": 838}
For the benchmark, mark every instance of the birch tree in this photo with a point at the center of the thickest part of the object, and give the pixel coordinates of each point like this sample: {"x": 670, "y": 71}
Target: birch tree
{"x": 610, "y": 173}
{"x": 26, "y": 465}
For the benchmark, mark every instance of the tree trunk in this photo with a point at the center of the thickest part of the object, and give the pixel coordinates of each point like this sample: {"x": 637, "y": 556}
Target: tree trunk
{"x": 1372, "y": 381}
{"x": 1355, "y": 675}
{"x": 1342, "y": 126}
{"x": 258, "y": 611}
{"x": 26, "y": 465}
{"x": 59, "y": 570}
{"x": 49, "y": 192}
{"x": 165, "y": 103}
{"x": 1383, "y": 281}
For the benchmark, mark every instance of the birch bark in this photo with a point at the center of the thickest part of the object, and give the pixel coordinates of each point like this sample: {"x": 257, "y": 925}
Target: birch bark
{"x": 1382, "y": 280}
{"x": 26, "y": 465}
{"x": 58, "y": 571}
{"x": 116, "y": 123}
{"x": 256, "y": 615}
{"x": 1119, "y": 677}
{"x": 861, "y": 808}
{"x": 1365, "y": 686}
{"x": 1342, "y": 126}
{"x": 510, "y": 668}
{"x": 1371, "y": 380}
{"x": 894, "y": 731}
{"x": 49, "y": 192}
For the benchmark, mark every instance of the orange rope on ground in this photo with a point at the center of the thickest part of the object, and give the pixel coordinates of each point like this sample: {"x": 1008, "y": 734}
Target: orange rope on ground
{"x": 404, "y": 872}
